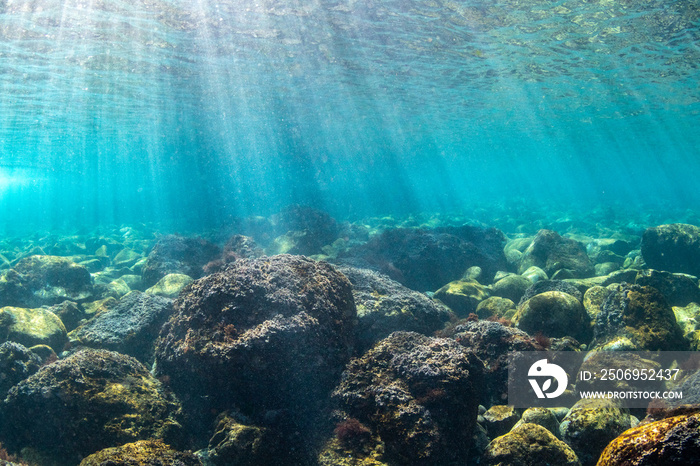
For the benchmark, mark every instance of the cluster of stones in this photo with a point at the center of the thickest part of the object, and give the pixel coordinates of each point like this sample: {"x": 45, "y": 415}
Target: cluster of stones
{"x": 387, "y": 353}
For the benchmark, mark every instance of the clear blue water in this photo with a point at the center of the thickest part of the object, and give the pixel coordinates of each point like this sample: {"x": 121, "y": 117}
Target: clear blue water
{"x": 194, "y": 112}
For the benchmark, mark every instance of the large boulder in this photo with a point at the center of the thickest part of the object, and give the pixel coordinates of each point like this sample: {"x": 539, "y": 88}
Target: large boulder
{"x": 385, "y": 306}
{"x": 559, "y": 257}
{"x": 640, "y": 315}
{"x": 40, "y": 280}
{"x": 419, "y": 394}
{"x": 16, "y": 364}
{"x": 492, "y": 342}
{"x": 554, "y": 314}
{"x": 143, "y": 452}
{"x": 673, "y": 248}
{"x": 425, "y": 260}
{"x": 263, "y": 336}
{"x": 529, "y": 445}
{"x": 131, "y": 327}
{"x": 674, "y": 441}
{"x": 91, "y": 400}
{"x": 591, "y": 424}
{"x": 177, "y": 254}
{"x": 32, "y": 327}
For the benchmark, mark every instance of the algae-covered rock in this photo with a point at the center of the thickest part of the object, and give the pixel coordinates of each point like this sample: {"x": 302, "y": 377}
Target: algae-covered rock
{"x": 495, "y": 307}
{"x": 688, "y": 318}
{"x": 674, "y": 248}
{"x": 674, "y": 441}
{"x": 385, "y": 306}
{"x": 130, "y": 327}
{"x": 642, "y": 315}
{"x": 170, "y": 286}
{"x": 284, "y": 325}
{"x": 593, "y": 300}
{"x": 545, "y": 285}
{"x": 142, "y": 452}
{"x": 53, "y": 279}
{"x": 542, "y": 417}
{"x": 591, "y": 424}
{"x": 529, "y": 445}
{"x": 32, "y": 327}
{"x": 555, "y": 254}
{"x": 492, "y": 342}
{"x": 462, "y": 296}
{"x": 499, "y": 419}
{"x": 678, "y": 289}
{"x": 511, "y": 286}
{"x": 91, "y": 400}
{"x": 418, "y": 394}
{"x": 240, "y": 444}
{"x": 554, "y": 314}
{"x": 16, "y": 364}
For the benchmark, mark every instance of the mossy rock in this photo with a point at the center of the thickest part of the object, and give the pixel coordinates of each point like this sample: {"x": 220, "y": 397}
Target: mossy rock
{"x": 143, "y": 452}
{"x": 542, "y": 417}
{"x": 641, "y": 314}
{"x": 554, "y": 314}
{"x": 462, "y": 296}
{"x": 591, "y": 424}
{"x": 529, "y": 445}
{"x": 495, "y": 307}
{"x": 170, "y": 286}
{"x": 674, "y": 441}
{"x": 32, "y": 327}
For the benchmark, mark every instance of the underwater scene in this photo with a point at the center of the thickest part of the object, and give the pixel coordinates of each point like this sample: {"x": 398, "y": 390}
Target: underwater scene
{"x": 349, "y": 232}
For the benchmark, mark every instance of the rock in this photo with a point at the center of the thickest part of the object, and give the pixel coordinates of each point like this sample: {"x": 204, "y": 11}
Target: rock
{"x": 554, "y": 314}
{"x": 591, "y": 424}
{"x": 170, "y": 286}
{"x": 16, "y": 364}
{"x": 640, "y": 314}
{"x": 542, "y": 286}
{"x": 130, "y": 327}
{"x": 529, "y": 445}
{"x": 425, "y": 260}
{"x": 418, "y": 394}
{"x": 117, "y": 289}
{"x": 512, "y": 287}
{"x": 143, "y": 452}
{"x": 87, "y": 402}
{"x": 534, "y": 274}
{"x": 553, "y": 253}
{"x": 593, "y": 300}
{"x": 240, "y": 444}
{"x": 495, "y": 307}
{"x": 126, "y": 258}
{"x": 31, "y": 327}
{"x": 283, "y": 324}
{"x": 542, "y": 417}
{"x": 499, "y": 419}
{"x": 134, "y": 282}
{"x": 46, "y": 280}
{"x": 492, "y": 342}
{"x": 611, "y": 360}
{"x": 688, "y": 318}
{"x": 462, "y": 296}
{"x": 673, "y": 248}
{"x": 678, "y": 289}
{"x": 385, "y": 306}
{"x": 177, "y": 254}
{"x": 674, "y": 441}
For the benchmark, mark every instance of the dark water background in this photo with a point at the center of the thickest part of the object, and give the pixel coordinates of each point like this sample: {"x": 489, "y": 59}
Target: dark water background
{"x": 191, "y": 113}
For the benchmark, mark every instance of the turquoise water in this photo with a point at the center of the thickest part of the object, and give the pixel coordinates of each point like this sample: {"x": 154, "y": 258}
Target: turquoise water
{"x": 193, "y": 113}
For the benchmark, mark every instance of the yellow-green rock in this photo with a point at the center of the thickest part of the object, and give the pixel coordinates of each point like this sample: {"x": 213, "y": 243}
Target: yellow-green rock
{"x": 529, "y": 445}
{"x": 462, "y": 296}
{"x": 170, "y": 285}
{"x": 31, "y": 327}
